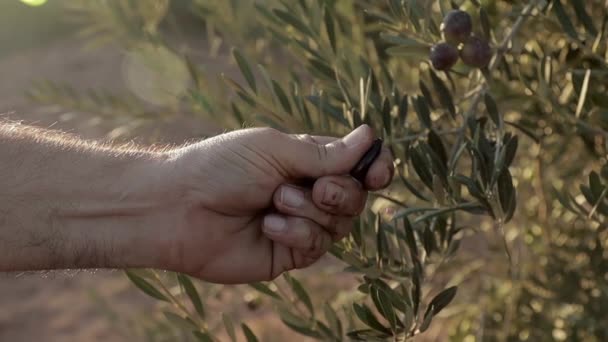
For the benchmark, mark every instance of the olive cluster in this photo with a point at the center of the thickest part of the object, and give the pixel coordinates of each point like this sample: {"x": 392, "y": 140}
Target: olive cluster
{"x": 457, "y": 28}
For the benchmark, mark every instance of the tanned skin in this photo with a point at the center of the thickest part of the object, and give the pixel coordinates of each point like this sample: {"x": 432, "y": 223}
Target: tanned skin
{"x": 225, "y": 210}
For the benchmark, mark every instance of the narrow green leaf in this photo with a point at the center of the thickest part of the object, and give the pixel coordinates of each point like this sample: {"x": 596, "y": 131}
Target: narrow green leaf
{"x": 324, "y": 107}
{"x": 506, "y": 191}
{"x": 426, "y": 93}
{"x": 265, "y": 290}
{"x": 595, "y": 184}
{"x": 321, "y": 69}
{"x": 583, "y": 16}
{"x": 386, "y": 116}
{"x": 437, "y": 146}
{"x": 297, "y": 323}
{"x": 145, "y": 286}
{"x": 485, "y": 22}
{"x": 325, "y": 331}
{"x": 282, "y": 97}
{"x": 423, "y": 111}
{"x": 288, "y": 18}
{"x": 403, "y": 109}
{"x": 249, "y": 335}
{"x": 332, "y": 318}
{"x": 426, "y": 321}
{"x": 229, "y": 327}
{"x": 589, "y": 195}
{"x": 192, "y": 293}
{"x": 383, "y": 304}
{"x": 368, "y": 335}
{"x": 410, "y": 237}
{"x": 245, "y": 69}
{"x": 492, "y": 109}
{"x": 421, "y": 166}
{"x": 202, "y": 337}
{"x": 329, "y": 26}
{"x": 238, "y": 116}
{"x": 511, "y": 150}
{"x": 428, "y": 241}
{"x": 524, "y": 130}
{"x": 445, "y": 97}
{"x": 411, "y": 51}
{"x": 564, "y": 20}
{"x": 183, "y": 323}
{"x": 367, "y": 316}
{"x": 265, "y": 76}
{"x": 201, "y": 100}
{"x": 441, "y": 300}
{"x": 299, "y": 290}
{"x": 416, "y": 288}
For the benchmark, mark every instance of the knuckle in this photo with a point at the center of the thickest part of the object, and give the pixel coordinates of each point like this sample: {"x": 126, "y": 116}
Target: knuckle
{"x": 318, "y": 245}
{"x": 305, "y": 137}
{"x": 322, "y": 151}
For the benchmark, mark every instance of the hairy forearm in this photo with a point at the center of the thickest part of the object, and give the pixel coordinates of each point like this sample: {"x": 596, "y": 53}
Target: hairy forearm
{"x": 70, "y": 203}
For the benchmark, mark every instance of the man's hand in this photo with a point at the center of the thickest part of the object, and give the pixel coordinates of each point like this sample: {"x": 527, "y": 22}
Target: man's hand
{"x": 243, "y": 216}
{"x": 227, "y": 209}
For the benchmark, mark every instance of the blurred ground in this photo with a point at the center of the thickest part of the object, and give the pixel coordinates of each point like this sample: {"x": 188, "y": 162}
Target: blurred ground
{"x": 77, "y": 306}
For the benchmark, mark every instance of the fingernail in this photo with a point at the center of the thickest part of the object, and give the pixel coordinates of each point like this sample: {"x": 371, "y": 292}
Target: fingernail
{"x": 291, "y": 197}
{"x": 355, "y": 137}
{"x": 274, "y": 224}
{"x": 334, "y": 194}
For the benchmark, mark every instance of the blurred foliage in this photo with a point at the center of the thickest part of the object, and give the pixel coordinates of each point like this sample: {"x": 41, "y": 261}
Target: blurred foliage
{"x": 470, "y": 146}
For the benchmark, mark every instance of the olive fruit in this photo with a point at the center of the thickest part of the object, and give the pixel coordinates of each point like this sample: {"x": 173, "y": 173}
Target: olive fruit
{"x": 457, "y": 26}
{"x": 476, "y": 52}
{"x": 443, "y": 56}
{"x": 360, "y": 170}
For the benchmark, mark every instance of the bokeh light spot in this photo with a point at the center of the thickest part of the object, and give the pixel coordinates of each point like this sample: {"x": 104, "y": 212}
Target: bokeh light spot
{"x": 34, "y": 2}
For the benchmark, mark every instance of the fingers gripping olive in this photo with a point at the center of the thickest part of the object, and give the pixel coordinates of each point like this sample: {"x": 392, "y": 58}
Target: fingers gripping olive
{"x": 360, "y": 170}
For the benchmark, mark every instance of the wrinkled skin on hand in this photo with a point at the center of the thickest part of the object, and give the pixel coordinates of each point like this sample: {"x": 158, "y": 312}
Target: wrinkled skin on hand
{"x": 242, "y": 217}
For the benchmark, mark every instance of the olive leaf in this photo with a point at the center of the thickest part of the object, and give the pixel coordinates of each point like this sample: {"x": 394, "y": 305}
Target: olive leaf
{"x": 249, "y": 335}
{"x": 299, "y": 290}
{"x": 367, "y": 316}
{"x": 492, "y": 109}
{"x": 564, "y": 20}
{"x": 439, "y": 302}
{"x": 229, "y": 327}
{"x": 245, "y": 69}
{"x": 192, "y": 293}
{"x": 426, "y": 93}
{"x": 329, "y": 26}
{"x": 202, "y": 337}
{"x": 265, "y": 290}
{"x": 423, "y": 111}
{"x": 145, "y": 286}
{"x": 445, "y": 97}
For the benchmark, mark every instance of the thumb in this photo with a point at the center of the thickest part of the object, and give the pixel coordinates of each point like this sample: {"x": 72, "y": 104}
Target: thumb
{"x": 318, "y": 158}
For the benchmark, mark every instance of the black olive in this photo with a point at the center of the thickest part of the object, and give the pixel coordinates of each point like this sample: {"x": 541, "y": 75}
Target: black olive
{"x": 360, "y": 170}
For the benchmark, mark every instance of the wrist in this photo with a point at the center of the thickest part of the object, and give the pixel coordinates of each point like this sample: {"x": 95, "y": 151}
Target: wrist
{"x": 123, "y": 220}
